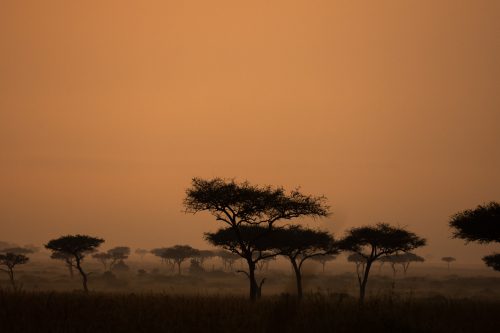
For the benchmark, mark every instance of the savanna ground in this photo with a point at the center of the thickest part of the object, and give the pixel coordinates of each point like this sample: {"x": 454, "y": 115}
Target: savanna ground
{"x": 429, "y": 299}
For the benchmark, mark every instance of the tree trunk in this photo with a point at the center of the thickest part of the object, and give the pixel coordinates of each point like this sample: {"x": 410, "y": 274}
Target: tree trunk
{"x": 298, "y": 278}
{"x": 324, "y": 263}
{"x": 11, "y": 278}
{"x": 179, "y": 265}
{"x": 70, "y": 269}
{"x": 362, "y": 287}
{"x": 253, "y": 283}
{"x": 84, "y": 276}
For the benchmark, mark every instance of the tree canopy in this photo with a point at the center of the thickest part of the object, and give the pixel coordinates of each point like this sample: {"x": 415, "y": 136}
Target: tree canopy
{"x": 370, "y": 243}
{"x": 236, "y": 203}
{"x": 77, "y": 246}
{"x": 481, "y": 224}
{"x": 493, "y": 261}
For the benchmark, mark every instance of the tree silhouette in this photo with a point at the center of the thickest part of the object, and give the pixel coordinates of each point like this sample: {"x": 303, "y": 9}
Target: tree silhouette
{"x": 77, "y": 246}
{"x": 481, "y": 225}
{"x": 448, "y": 260}
{"x": 103, "y": 258}
{"x": 241, "y": 204}
{"x": 176, "y": 254}
{"x": 18, "y": 250}
{"x": 323, "y": 259}
{"x": 251, "y": 242}
{"x": 402, "y": 259}
{"x": 298, "y": 245}
{"x": 374, "y": 242}
{"x": 11, "y": 260}
{"x": 68, "y": 259}
{"x": 228, "y": 258}
{"x": 118, "y": 253}
{"x": 493, "y": 261}
{"x": 204, "y": 255}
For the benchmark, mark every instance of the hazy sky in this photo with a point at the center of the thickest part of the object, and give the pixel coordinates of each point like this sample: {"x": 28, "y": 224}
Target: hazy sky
{"x": 108, "y": 109}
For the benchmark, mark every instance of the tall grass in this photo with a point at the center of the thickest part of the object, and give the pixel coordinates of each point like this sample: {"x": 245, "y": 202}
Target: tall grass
{"x": 102, "y": 312}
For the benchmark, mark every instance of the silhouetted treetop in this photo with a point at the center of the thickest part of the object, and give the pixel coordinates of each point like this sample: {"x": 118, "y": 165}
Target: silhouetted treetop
{"x": 381, "y": 239}
{"x": 481, "y": 224}
{"x": 10, "y": 260}
{"x": 77, "y": 245}
{"x": 247, "y": 238}
{"x": 235, "y": 203}
{"x": 296, "y": 241}
{"x": 493, "y": 261}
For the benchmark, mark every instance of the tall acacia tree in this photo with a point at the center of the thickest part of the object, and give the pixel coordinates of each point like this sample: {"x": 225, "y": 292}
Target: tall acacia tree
{"x": 241, "y": 204}
{"x": 481, "y": 225}
{"x": 11, "y": 260}
{"x": 299, "y": 244}
{"x": 77, "y": 246}
{"x": 373, "y": 242}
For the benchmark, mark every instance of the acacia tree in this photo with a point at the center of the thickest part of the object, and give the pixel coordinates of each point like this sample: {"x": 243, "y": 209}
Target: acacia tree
{"x": 448, "y": 260}
{"x": 323, "y": 259}
{"x": 177, "y": 254}
{"x": 228, "y": 258}
{"x": 11, "y": 260}
{"x": 241, "y": 204}
{"x": 68, "y": 259}
{"x": 251, "y": 239}
{"x": 103, "y": 258}
{"x": 481, "y": 225}
{"x": 204, "y": 255}
{"x": 118, "y": 254}
{"x": 402, "y": 259}
{"x": 77, "y": 246}
{"x": 374, "y": 242}
{"x": 300, "y": 244}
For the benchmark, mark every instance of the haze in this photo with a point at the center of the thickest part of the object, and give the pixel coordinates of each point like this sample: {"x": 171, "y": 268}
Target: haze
{"x": 109, "y": 108}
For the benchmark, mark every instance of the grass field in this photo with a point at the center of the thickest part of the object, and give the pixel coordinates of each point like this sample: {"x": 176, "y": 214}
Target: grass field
{"x": 111, "y": 312}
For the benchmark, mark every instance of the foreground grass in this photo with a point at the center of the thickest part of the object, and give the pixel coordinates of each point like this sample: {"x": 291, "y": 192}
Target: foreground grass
{"x": 101, "y": 312}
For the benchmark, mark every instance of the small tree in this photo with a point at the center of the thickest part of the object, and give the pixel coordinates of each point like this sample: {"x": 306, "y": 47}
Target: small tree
{"x": 68, "y": 259}
{"x": 360, "y": 262}
{"x": 241, "y": 204}
{"x": 228, "y": 258}
{"x": 481, "y": 225}
{"x": 408, "y": 258}
{"x": 77, "y": 246}
{"x": 103, "y": 258}
{"x": 141, "y": 253}
{"x": 323, "y": 259}
{"x": 493, "y": 261}
{"x": 402, "y": 259}
{"x": 11, "y": 260}
{"x": 204, "y": 255}
{"x": 298, "y": 245}
{"x": 118, "y": 253}
{"x": 178, "y": 254}
{"x": 18, "y": 250}
{"x": 448, "y": 260}
{"x": 374, "y": 242}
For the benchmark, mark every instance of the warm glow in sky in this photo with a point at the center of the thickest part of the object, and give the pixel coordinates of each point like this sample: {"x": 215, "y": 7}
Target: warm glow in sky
{"x": 108, "y": 109}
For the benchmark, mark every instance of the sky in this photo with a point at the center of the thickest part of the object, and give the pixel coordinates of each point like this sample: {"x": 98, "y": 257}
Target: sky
{"x": 108, "y": 109}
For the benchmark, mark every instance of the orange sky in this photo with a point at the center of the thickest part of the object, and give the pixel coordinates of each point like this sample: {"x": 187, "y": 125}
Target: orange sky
{"x": 108, "y": 108}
